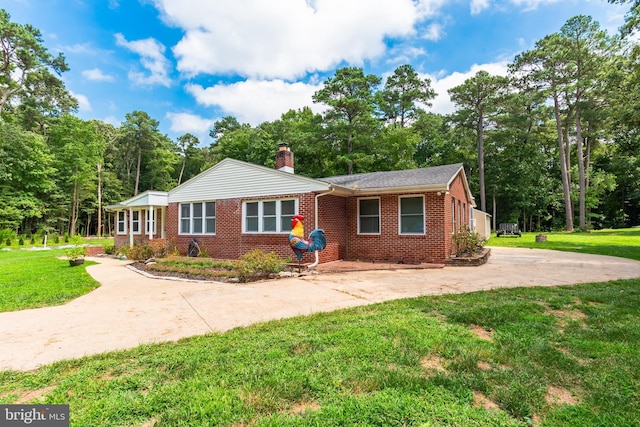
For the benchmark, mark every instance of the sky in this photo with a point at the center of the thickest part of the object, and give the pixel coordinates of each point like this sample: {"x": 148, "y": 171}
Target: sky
{"x": 188, "y": 63}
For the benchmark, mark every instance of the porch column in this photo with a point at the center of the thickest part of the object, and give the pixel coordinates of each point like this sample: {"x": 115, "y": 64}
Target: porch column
{"x": 151, "y": 219}
{"x": 163, "y": 216}
{"x": 130, "y": 227}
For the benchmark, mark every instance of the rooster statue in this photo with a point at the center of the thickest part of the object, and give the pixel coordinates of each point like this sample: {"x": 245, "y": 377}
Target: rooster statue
{"x": 317, "y": 240}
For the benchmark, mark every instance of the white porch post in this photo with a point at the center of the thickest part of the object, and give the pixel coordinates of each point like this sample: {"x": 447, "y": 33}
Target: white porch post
{"x": 151, "y": 219}
{"x": 163, "y": 216}
{"x": 130, "y": 227}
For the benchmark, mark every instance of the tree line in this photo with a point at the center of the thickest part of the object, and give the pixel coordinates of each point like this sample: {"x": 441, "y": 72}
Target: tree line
{"x": 552, "y": 145}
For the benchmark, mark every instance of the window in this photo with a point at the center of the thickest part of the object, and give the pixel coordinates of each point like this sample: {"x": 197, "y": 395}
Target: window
{"x": 412, "y": 215}
{"x": 459, "y": 216}
{"x": 135, "y": 225}
{"x": 268, "y": 216}
{"x": 287, "y": 211}
{"x": 198, "y": 218}
{"x": 122, "y": 222}
{"x": 453, "y": 215}
{"x": 210, "y": 217}
{"x": 150, "y": 223}
{"x": 368, "y": 216}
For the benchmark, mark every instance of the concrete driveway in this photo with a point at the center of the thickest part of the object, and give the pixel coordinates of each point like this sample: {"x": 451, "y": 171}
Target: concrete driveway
{"x": 130, "y": 309}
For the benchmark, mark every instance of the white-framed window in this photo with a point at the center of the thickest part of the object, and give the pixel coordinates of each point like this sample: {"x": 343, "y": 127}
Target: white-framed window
{"x": 122, "y": 222}
{"x": 411, "y": 214}
{"x": 453, "y": 215}
{"x": 197, "y": 218}
{"x": 369, "y": 216}
{"x": 150, "y": 222}
{"x": 135, "y": 223}
{"x": 268, "y": 216}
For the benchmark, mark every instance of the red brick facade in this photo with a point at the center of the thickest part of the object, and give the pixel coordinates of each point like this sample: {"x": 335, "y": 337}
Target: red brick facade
{"x": 338, "y": 216}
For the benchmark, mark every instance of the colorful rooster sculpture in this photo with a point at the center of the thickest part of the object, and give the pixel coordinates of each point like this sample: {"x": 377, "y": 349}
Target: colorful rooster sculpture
{"x": 317, "y": 240}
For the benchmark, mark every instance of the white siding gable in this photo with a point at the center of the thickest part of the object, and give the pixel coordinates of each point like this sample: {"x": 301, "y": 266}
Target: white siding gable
{"x": 231, "y": 179}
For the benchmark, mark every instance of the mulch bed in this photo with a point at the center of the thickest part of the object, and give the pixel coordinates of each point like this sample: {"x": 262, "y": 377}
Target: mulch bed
{"x": 141, "y": 266}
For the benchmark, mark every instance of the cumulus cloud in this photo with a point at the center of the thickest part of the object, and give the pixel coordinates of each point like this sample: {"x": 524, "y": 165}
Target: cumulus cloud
{"x": 442, "y": 83}
{"x": 83, "y": 102}
{"x": 256, "y": 101}
{"x": 285, "y": 39}
{"x": 531, "y": 4}
{"x": 97, "y": 75}
{"x": 478, "y": 6}
{"x": 152, "y": 59}
{"x": 189, "y": 123}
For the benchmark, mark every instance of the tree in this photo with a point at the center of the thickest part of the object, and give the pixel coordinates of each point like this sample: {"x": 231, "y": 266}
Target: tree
{"x": 138, "y": 134}
{"x": 186, "y": 143}
{"x": 350, "y": 121}
{"x": 26, "y": 177}
{"x": 632, "y": 19}
{"x": 24, "y": 59}
{"x": 479, "y": 98}
{"x": 402, "y": 92}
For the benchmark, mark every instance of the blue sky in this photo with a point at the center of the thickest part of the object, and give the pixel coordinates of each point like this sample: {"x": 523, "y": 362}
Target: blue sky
{"x": 187, "y": 63}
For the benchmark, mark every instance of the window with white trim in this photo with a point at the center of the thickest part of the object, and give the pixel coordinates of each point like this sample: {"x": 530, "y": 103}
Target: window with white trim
{"x": 369, "y": 216}
{"x": 197, "y": 218}
{"x": 268, "y": 216}
{"x": 135, "y": 224}
{"x": 411, "y": 215}
{"x": 122, "y": 222}
{"x": 150, "y": 223}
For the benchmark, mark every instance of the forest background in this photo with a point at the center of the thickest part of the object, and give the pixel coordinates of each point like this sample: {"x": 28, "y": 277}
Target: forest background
{"x": 555, "y": 145}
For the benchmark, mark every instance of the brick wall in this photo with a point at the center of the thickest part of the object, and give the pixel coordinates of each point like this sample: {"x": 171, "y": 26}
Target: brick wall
{"x": 338, "y": 217}
{"x": 229, "y": 241}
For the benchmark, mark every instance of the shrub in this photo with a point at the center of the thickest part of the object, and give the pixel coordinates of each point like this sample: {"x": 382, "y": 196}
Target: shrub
{"x": 159, "y": 248}
{"x": 78, "y": 250}
{"x": 21, "y": 241}
{"x": 109, "y": 249}
{"x": 6, "y": 236}
{"x": 257, "y": 263}
{"x": 56, "y": 239}
{"x": 467, "y": 242}
{"x": 33, "y": 240}
{"x": 140, "y": 253}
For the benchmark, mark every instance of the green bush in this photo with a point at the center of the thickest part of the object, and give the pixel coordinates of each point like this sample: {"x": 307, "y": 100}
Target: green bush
{"x": 467, "y": 242}
{"x": 6, "y": 236}
{"x": 56, "y": 239}
{"x": 257, "y": 263}
{"x": 21, "y": 241}
{"x": 109, "y": 249}
{"x": 141, "y": 253}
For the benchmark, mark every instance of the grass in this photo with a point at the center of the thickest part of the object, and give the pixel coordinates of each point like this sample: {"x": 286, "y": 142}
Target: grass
{"x": 562, "y": 356}
{"x": 32, "y": 279}
{"x": 623, "y": 243}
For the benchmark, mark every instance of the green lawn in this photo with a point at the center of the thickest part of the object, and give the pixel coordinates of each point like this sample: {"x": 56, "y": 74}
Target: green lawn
{"x": 623, "y": 243}
{"x": 565, "y": 356}
{"x": 32, "y": 279}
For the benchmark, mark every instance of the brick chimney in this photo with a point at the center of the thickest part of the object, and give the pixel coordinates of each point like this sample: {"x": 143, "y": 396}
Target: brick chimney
{"x": 284, "y": 158}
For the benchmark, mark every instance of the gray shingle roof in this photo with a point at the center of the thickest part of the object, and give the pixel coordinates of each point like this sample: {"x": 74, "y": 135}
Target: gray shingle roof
{"x": 432, "y": 176}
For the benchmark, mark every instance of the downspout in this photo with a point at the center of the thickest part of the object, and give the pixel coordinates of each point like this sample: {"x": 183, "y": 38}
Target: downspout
{"x": 315, "y": 215}
{"x": 130, "y": 227}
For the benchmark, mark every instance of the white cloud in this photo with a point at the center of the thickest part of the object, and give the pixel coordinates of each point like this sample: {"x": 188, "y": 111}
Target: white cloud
{"x": 97, "y": 75}
{"x": 112, "y": 120}
{"x": 478, "y": 6}
{"x": 189, "y": 123}
{"x": 286, "y": 39}
{"x": 256, "y": 101}
{"x": 442, "y": 103}
{"x": 153, "y": 60}
{"x": 531, "y": 4}
{"x": 83, "y": 102}
{"x": 433, "y": 32}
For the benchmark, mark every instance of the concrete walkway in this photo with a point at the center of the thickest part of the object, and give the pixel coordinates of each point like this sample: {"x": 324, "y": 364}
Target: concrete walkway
{"x": 130, "y": 309}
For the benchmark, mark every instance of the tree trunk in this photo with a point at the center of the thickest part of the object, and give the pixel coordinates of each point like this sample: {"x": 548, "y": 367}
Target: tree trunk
{"x": 495, "y": 208}
{"x": 566, "y": 182}
{"x": 583, "y": 195}
{"x": 483, "y": 200}
{"x": 184, "y": 162}
{"x": 135, "y": 193}
{"x": 99, "y": 200}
